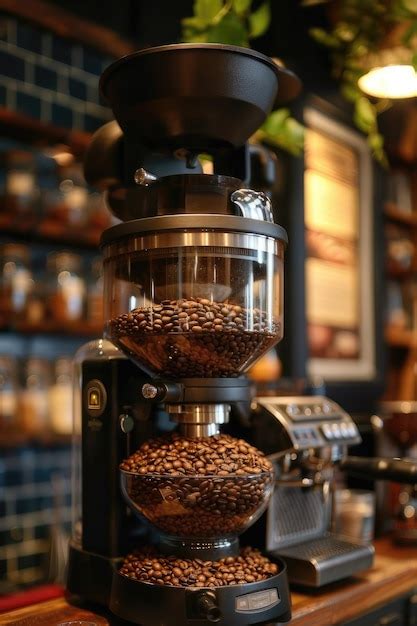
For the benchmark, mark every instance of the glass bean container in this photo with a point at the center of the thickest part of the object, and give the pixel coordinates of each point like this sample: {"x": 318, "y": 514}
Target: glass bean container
{"x": 34, "y": 410}
{"x": 20, "y": 183}
{"x": 66, "y": 287}
{"x": 60, "y": 397}
{"x": 194, "y": 302}
{"x": 9, "y": 391}
{"x": 95, "y": 293}
{"x": 16, "y": 280}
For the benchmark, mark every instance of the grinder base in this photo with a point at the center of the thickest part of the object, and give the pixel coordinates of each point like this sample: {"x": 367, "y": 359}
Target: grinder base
{"x": 147, "y": 604}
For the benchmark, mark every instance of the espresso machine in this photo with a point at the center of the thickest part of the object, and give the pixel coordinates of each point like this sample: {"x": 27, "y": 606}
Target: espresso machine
{"x": 307, "y": 438}
{"x": 193, "y": 295}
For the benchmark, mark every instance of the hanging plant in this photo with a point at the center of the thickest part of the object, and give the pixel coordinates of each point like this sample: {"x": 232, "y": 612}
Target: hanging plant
{"x": 236, "y": 22}
{"x": 367, "y": 33}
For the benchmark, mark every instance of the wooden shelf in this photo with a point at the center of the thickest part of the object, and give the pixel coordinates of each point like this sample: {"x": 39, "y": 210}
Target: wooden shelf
{"x": 394, "y": 212}
{"x": 400, "y": 338}
{"x": 402, "y": 274}
{"x": 18, "y": 439}
{"x": 20, "y": 126}
{"x": 68, "y": 25}
{"x": 52, "y": 327}
{"x": 85, "y": 239}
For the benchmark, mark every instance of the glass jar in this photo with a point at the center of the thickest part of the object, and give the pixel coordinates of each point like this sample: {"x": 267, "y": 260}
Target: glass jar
{"x": 60, "y": 397}
{"x": 65, "y": 203}
{"x": 9, "y": 390}
{"x": 20, "y": 182}
{"x": 95, "y": 314}
{"x": 187, "y": 303}
{"x": 34, "y": 411}
{"x": 16, "y": 281}
{"x": 66, "y": 287}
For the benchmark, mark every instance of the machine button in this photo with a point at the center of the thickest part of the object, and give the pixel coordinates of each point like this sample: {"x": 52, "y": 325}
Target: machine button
{"x": 95, "y": 398}
{"x": 242, "y": 603}
{"x": 126, "y": 423}
{"x": 318, "y": 409}
{"x": 293, "y": 409}
{"x": 257, "y": 601}
{"x": 336, "y": 431}
{"x": 307, "y": 411}
{"x": 353, "y": 431}
{"x": 327, "y": 407}
{"x": 327, "y": 431}
{"x": 344, "y": 429}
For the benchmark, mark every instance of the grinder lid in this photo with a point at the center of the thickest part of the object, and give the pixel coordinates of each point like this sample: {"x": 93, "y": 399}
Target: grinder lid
{"x": 195, "y": 96}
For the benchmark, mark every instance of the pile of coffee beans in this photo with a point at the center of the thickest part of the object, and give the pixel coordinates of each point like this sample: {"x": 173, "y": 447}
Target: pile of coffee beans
{"x": 148, "y": 566}
{"x": 220, "y": 455}
{"x": 208, "y": 487}
{"x": 194, "y": 338}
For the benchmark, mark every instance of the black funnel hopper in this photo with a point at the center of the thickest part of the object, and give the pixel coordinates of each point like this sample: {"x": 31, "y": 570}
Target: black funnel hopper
{"x": 195, "y": 96}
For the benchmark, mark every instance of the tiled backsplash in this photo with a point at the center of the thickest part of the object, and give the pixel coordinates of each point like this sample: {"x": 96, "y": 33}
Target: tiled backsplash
{"x": 35, "y": 503}
{"x": 50, "y": 78}
{"x": 54, "y": 80}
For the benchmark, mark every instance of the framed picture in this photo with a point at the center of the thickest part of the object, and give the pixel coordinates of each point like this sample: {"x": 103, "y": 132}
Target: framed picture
{"x": 339, "y": 280}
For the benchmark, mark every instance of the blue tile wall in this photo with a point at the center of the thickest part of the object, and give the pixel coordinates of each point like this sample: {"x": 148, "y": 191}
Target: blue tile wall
{"x": 55, "y": 80}
{"x": 46, "y": 78}
{"x": 28, "y": 37}
{"x": 27, "y": 509}
{"x": 11, "y": 65}
{"x": 50, "y": 78}
{"x": 77, "y": 88}
{"x": 31, "y": 105}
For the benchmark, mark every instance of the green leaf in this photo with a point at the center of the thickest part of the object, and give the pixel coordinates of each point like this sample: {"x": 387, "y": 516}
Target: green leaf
{"x": 410, "y": 5}
{"x": 350, "y": 92}
{"x": 241, "y": 7}
{"x": 365, "y": 115}
{"x": 345, "y": 32}
{"x": 229, "y": 31}
{"x": 259, "y": 20}
{"x": 296, "y": 131}
{"x": 275, "y": 121}
{"x": 410, "y": 33}
{"x": 324, "y": 38}
{"x": 194, "y": 37}
{"x": 206, "y": 10}
{"x": 414, "y": 61}
{"x": 193, "y": 22}
{"x": 376, "y": 141}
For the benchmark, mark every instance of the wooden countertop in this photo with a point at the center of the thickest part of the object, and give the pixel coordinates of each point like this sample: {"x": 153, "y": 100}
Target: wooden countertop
{"x": 394, "y": 574}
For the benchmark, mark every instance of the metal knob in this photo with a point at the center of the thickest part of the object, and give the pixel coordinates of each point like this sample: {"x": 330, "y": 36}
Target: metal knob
{"x": 149, "y": 392}
{"x": 143, "y": 177}
{"x": 207, "y": 608}
{"x": 126, "y": 423}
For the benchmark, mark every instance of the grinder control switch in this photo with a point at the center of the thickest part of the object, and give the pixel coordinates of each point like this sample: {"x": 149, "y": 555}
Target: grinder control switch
{"x": 257, "y": 601}
{"x": 95, "y": 398}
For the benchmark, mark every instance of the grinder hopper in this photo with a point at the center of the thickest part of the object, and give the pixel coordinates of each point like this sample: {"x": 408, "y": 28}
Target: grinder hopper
{"x": 193, "y": 288}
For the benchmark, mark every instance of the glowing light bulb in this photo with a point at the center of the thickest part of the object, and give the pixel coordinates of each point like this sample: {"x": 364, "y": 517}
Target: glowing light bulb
{"x": 390, "y": 81}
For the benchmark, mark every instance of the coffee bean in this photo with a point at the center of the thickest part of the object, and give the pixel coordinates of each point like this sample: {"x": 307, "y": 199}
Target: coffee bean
{"x": 147, "y": 566}
{"x": 162, "y": 335}
{"x": 215, "y": 496}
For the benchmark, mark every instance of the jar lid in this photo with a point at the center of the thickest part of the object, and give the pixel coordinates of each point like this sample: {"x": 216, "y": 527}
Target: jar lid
{"x": 15, "y": 251}
{"x": 63, "y": 260}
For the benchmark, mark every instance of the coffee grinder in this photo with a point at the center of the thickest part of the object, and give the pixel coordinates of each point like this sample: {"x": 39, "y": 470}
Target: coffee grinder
{"x": 193, "y": 296}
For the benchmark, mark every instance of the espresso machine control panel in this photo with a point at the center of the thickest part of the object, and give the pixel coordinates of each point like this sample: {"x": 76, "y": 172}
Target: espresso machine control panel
{"x": 304, "y": 423}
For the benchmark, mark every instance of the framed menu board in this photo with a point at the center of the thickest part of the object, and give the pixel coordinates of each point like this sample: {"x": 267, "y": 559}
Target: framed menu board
{"x": 339, "y": 279}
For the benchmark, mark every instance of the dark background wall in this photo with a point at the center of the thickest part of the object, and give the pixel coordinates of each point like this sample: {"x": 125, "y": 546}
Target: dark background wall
{"x": 159, "y": 22}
